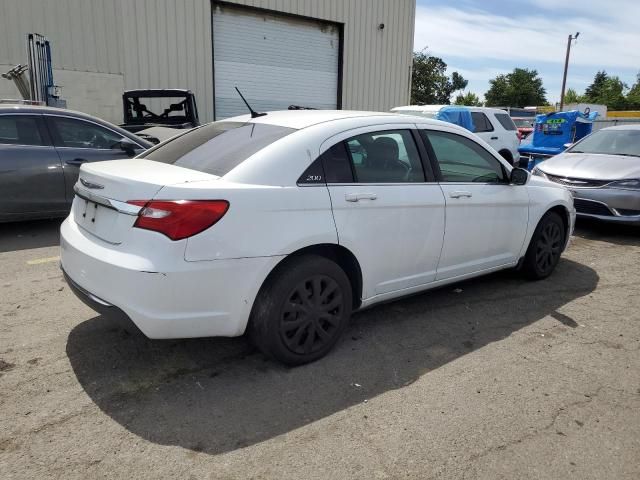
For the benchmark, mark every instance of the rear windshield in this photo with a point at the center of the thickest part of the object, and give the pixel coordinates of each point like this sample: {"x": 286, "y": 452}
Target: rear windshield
{"x": 505, "y": 121}
{"x": 217, "y": 148}
{"x": 523, "y": 122}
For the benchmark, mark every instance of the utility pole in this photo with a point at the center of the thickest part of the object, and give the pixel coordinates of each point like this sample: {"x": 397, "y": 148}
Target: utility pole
{"x": 566, "y": 67}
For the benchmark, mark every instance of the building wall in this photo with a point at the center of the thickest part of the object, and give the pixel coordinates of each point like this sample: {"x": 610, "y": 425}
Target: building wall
{"x": 168, "y": 43}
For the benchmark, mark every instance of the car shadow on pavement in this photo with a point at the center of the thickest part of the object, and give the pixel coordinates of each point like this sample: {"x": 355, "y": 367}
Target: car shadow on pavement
{"x": 628, "y": 235}
{"x": 217, "y": 395}
{"x": 26, "y": 235}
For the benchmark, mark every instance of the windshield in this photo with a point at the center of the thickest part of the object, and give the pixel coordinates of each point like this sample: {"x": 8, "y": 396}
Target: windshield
{"x": 216, "y": 148}
{"x": 610, "y": 142}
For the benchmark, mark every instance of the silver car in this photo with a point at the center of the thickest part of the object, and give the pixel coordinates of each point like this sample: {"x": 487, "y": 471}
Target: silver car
{"x": 41, "y": 150}
{"x": 603, "y": 173}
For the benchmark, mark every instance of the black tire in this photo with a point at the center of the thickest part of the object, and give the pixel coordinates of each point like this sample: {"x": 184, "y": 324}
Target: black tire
{"x": 506, "y": 154}
{"x": 545, "y": 248}
{"x": 302, "y": 311}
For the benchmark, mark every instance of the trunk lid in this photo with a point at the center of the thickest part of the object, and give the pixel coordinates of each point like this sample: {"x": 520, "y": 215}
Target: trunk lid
{"x": 103, "y": 188}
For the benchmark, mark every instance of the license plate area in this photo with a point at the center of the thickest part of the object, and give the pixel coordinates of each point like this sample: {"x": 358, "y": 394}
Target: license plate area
{"x": 101, "y": 221}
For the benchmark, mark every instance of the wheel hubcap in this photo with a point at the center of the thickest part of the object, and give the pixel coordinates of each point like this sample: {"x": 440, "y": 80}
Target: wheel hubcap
{"x": 548, "y": 247}
{"x": 312, "y": 314}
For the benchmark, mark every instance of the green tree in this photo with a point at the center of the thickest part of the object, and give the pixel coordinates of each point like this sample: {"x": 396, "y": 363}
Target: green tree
{"x": 571, "y": 96}
{"x": 469, "y": 99}
{"x": 606, "y": 90}
{"x": 520, "y": 88}
{"x": 595, "y": 89}
{"x": 633, "y": 96}
{"x": 430, "y": 84}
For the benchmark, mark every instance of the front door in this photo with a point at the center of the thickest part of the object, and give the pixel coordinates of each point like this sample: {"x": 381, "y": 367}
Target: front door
{"x": 31, "y": 178}
{"x": 486, "y": 217}
{"x": 78, "y": 141}
{"x": 386, "y": 211}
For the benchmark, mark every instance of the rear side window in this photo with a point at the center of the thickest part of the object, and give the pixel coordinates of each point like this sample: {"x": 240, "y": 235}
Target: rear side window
{"x": 20, "y": 130}
{"x": 505, "y": 121}
{"x": 217, "y": 148}
{"x": 333, "y": 166}
{"x": 481, "y": 122}
{"x": 76, "y": 133}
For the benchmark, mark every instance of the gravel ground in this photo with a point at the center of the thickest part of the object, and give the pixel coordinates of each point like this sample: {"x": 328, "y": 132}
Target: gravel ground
{"x": 493, "y": 378}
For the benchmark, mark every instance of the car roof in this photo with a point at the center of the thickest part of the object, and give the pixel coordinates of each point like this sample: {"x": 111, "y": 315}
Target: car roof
{"x": 436, "y": 108}
{"x": 300, "y": 119}
{"x": 21, "y": 108}
{"x": 9, "y": 108}
{"x": 633, "y": 126}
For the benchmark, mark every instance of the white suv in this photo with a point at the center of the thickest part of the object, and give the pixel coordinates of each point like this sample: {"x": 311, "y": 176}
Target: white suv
{"x": 492, "y": 125}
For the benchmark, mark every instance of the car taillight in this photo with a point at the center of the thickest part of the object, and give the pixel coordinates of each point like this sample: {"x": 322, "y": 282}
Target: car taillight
{"x": 178, "y": 219}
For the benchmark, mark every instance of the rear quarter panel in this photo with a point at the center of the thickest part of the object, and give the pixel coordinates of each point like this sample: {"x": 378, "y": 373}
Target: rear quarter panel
{"x": 261, "y": 221}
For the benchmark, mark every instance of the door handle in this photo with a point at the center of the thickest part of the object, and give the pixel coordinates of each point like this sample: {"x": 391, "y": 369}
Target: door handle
{"x": 75, "y": 161}
{"x": 355, "y": 197}
{"x": 494, "y": 138}
{"x": 460, "y": 194}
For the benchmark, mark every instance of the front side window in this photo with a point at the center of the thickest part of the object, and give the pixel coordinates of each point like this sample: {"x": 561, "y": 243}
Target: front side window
{"x": 385, "y": 157}
{"x": 80, "y": 134}
{"x": 217, "y": 148}
{"x": 481, "y": 122}
{"x": 20, "y": 130}
{"x": 462, "y": 160}
{"x": 505, "y": 121}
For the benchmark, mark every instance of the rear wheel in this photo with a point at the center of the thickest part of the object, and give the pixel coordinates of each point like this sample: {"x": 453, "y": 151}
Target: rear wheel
{"x": 545, "y": 248}
{"x": 301, "y": 313}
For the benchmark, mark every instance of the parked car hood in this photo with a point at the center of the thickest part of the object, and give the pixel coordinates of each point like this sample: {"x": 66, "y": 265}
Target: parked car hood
{"x": 592, "y": 166}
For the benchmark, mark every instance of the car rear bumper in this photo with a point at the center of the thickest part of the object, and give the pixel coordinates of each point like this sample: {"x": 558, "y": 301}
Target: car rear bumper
{"x": 191, "y": 299}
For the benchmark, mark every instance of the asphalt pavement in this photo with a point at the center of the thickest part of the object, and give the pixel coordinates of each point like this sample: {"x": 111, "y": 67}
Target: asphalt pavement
{"x": 495, "y": 378}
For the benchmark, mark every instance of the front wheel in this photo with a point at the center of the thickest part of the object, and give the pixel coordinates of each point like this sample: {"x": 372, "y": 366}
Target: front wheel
{"x": 545, "y": 248}
{"x": 303, "y": 310}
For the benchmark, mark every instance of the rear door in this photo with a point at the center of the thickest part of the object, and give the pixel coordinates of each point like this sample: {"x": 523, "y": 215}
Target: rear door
{"x": 388, "y": 210}
{"x": 31, "y": 175}
{"x": 486, "y": 217}
{"x": 485, "y": 129}
{"x": 78, "y": 141}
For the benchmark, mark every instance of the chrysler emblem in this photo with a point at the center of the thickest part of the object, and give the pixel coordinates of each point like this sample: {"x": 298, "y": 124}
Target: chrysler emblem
{"x": 93, "y": 186}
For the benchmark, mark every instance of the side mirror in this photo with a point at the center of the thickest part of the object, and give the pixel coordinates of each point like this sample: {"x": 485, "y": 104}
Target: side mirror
{"x": 568, "y": 145}
{"x": 128, "y": 146}
{"x": 519, "y": 176}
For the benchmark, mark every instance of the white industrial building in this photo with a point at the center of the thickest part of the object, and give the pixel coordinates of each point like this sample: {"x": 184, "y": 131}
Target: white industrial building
{"x": 351, "y": 54}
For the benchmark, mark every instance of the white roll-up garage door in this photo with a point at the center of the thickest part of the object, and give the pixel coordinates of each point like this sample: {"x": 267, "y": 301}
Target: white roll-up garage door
{"x": 274, "y": 60}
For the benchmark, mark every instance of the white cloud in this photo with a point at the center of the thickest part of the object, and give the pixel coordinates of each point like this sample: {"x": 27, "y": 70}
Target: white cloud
{"x": 609, "y": 35}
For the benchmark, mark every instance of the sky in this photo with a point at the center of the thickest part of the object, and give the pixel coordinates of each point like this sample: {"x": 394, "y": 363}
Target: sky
{"x": 483, "y": 38}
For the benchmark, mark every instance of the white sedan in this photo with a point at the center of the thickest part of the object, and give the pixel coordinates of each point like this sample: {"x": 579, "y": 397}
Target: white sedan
{"x": 282, "y": 225}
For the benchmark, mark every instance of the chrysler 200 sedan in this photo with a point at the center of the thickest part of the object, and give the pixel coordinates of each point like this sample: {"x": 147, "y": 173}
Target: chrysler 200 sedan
{"x": 282, "y": 225}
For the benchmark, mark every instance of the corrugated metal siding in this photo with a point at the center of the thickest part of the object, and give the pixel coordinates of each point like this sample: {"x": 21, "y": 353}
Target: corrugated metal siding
{"x": 84, "y": 34}
{"x": 168, "y": 43}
